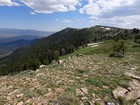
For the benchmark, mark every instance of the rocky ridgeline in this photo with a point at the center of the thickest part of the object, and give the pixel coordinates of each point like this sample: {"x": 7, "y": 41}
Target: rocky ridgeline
{"x": 64, "y": 83}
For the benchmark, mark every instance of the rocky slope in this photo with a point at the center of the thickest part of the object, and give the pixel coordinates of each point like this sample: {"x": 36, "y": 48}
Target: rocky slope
{"x": 76, "y": 80}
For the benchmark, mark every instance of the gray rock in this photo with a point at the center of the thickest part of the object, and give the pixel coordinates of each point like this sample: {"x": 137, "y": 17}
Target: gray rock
{"x": 84, "y": 90}
{"x": 15, "y": 91}
{"x": 84, "y": 98}
{"x": 110, "y": 103}
{"x": 132, "y": 76}
{"x": 79, "y": 92}
{"x": 19, "y": 95}
{"x": 134, "y": 84}
{"x": 133, "y": 95}
{"x": 119, "y": 91}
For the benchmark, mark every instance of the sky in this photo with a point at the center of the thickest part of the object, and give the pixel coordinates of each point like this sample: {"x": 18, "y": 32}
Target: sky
{"x": 54, "y": 15}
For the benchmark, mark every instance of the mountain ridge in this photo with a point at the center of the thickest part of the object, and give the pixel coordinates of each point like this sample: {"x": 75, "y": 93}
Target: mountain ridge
{"x": 66, "y": 41}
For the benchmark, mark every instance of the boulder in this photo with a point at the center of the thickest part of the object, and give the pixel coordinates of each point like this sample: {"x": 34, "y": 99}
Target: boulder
{"x": 119, "y": 91}
{"x": 133, "y": 95}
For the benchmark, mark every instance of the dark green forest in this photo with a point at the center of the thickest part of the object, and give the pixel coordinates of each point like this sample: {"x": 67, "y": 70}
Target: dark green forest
{"x": 47, "y": 49}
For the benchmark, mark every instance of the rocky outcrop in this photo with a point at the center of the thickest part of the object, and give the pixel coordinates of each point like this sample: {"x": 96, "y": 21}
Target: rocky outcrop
{"x": 132, "y": 93}
{"x": 119, "y": 92}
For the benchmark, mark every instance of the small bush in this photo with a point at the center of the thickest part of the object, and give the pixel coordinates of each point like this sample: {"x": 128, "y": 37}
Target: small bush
{"x": 119, "y": 49}
{"x": 45, "y": 61}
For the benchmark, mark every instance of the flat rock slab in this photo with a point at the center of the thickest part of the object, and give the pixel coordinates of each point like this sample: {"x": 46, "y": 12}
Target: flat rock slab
{"x": 132, "y": 76}
{"x": 133, "y": 95}
{"x": 81, "y": 91}
{"x": 84, "y": 90}
{"x": 119, "y": 91}
{"x": 134, "y": 84}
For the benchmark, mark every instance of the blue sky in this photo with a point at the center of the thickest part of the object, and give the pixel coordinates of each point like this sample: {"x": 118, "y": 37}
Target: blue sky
{"x": 54, "y": 15}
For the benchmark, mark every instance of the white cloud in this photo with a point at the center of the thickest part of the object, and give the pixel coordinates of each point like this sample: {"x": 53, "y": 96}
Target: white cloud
{"x": 121, "y": 13}
{"x": 8, "y": 3}
{"x": 32, "y": 13}
{"x": 99, "y": 7}
{"x": 127, "y": 21}
{"x": 50, "y": 6}
{"x": 123, "y": 22}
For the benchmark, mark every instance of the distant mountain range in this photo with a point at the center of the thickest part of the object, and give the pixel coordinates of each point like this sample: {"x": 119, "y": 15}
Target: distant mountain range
{"x": 5, "y": 32}
{"x": 8, "y": 35}
{"x": 12, "y": 39}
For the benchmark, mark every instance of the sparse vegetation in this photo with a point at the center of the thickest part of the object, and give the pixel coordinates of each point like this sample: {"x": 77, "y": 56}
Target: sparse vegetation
{"x": 97, "y": 81}
{"x": 119, "y": 49}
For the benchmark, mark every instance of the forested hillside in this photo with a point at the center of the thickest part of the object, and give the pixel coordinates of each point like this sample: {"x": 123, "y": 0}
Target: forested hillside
{"x": 47, "y": 49}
